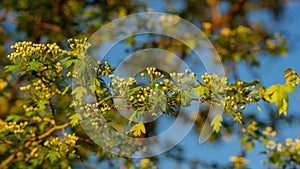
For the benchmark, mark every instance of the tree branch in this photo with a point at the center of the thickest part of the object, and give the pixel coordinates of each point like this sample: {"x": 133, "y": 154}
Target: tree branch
{"x": 47, "y": 133}
{"x": 215, "y": 10}
{"x": 227, "y": 18}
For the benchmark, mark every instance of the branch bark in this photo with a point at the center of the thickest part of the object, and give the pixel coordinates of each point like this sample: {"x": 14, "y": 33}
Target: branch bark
{"x": 227, "y": 18}
{"x": 215, "y": 10}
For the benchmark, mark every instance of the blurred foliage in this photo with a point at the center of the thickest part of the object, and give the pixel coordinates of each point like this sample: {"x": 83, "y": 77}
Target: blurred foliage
{"x": 39, "y": 128}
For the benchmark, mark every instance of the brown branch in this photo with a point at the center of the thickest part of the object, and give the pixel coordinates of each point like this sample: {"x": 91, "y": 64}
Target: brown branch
{"x": 227, "y": 18}
{"x": 44, "y": 25}
{"x": 47, "y": 133}
{"x": 53, "y": 27}
{"x": 86, "y": 140}
{"x": 202, "y": 99}
{"x": 215, "y": 10}
{"x": 53, "y": 129}
{"x": 52, "y": 109}
{"x": 3, "y": 17}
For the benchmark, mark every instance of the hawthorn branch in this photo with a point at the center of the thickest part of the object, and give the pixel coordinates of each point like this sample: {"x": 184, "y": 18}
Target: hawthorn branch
{"x": 215, "y": 10}
{"x": 53, "y": 27}
{"x": 59, "y": 127}
{"x": 44, "y": 25}
{"x": 49, "y": 100}
{"x": 227, "y": 18}
{"x": 52, "y": 109}
{"x": 47, "y": 133}
{"x": 86, "y": 140}
{"x": 3, "y": 16}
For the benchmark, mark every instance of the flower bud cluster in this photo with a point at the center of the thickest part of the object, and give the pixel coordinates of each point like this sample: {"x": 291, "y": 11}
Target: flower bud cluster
{"x": 238, "y": 160}
{"x": 78, "y": 44}
{"x": 141, "y": 95}
{"x": 28, "y": 51}
{"x": 34, "y": 153}
{"x": 183, "y": 80}
{"x": 14, "y": 127}
{"x": 269, "y": 132}
{"x": 105, "y": 69}
{"x": 25, "y": 88}
{"x": 252, "y": 127}
{"x": 30, "y": 108}
{"x": 241, "y": 93}
{"x": 145, "y": 163}
{"x": 43, "y": 91}
{"x": 63, "y": 146}
{"x": 168, "y": 18}
{"x": 58, "y": 67}
{"x": 215, "y": 83}
{"x": 153, "y": 74}
{"x": 120, "y": 86}
{"x": 87, "y": 109}
{"x": 290, "y": 150}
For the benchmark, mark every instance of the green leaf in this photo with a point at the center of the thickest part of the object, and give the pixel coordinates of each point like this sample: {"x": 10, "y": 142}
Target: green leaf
{"x": 265, "y": 141}
{"x": 288, "y": 72}
{"x": 14, "y": 117}
{"x": 137, "y": 129}
{"x": 79, "y": 91}
{"x": 283, "y": 108}
{"x": 237, "y": 56}
{"x": 134, "y": 90}
{"x": 216, "y": 122}
{"x": 130, "y": 41}
{"x": 186, "y": 97}
{"x": 23, "y": 72}
{"x": 191, "y": 43}
{"x": 65, "y": 90}
{"x": 289, "y": 89}
{"x": 34, "y": 162}
{"x": 132, "y": 117}
{"x": 34, "y": 65}
{"x": 249, "y": 146}
{"x": 4, "y": 148}
{"x": 201, "y": 90}
{"x": 74, "y": 119}
{"x": 53, "y": 155}
{"x": 292, "y": 78}
{"x": 270, "y": 91}
{"x": 12, "y": 68}
{"x": 72, "y": 156}
{"x": 243, "y": 139}
{"x": 69, "y": 62}
{"x": 42, "y": 104}
{"x": 97, "y": 83}
{"x": 278, "y": 94}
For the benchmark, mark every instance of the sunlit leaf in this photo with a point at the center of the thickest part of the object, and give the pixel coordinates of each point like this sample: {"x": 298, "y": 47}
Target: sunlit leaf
{"x": 201, "y": 90}
{"x": 278, "y": 94}
{"x": 137, "y": 129}
{"x": 53, "y": 155}
{"x": 74, "y": 119}
{"x": 12, "y": 68}
{"x": 79, "y": 91}
{"x": 216, "y": 122}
